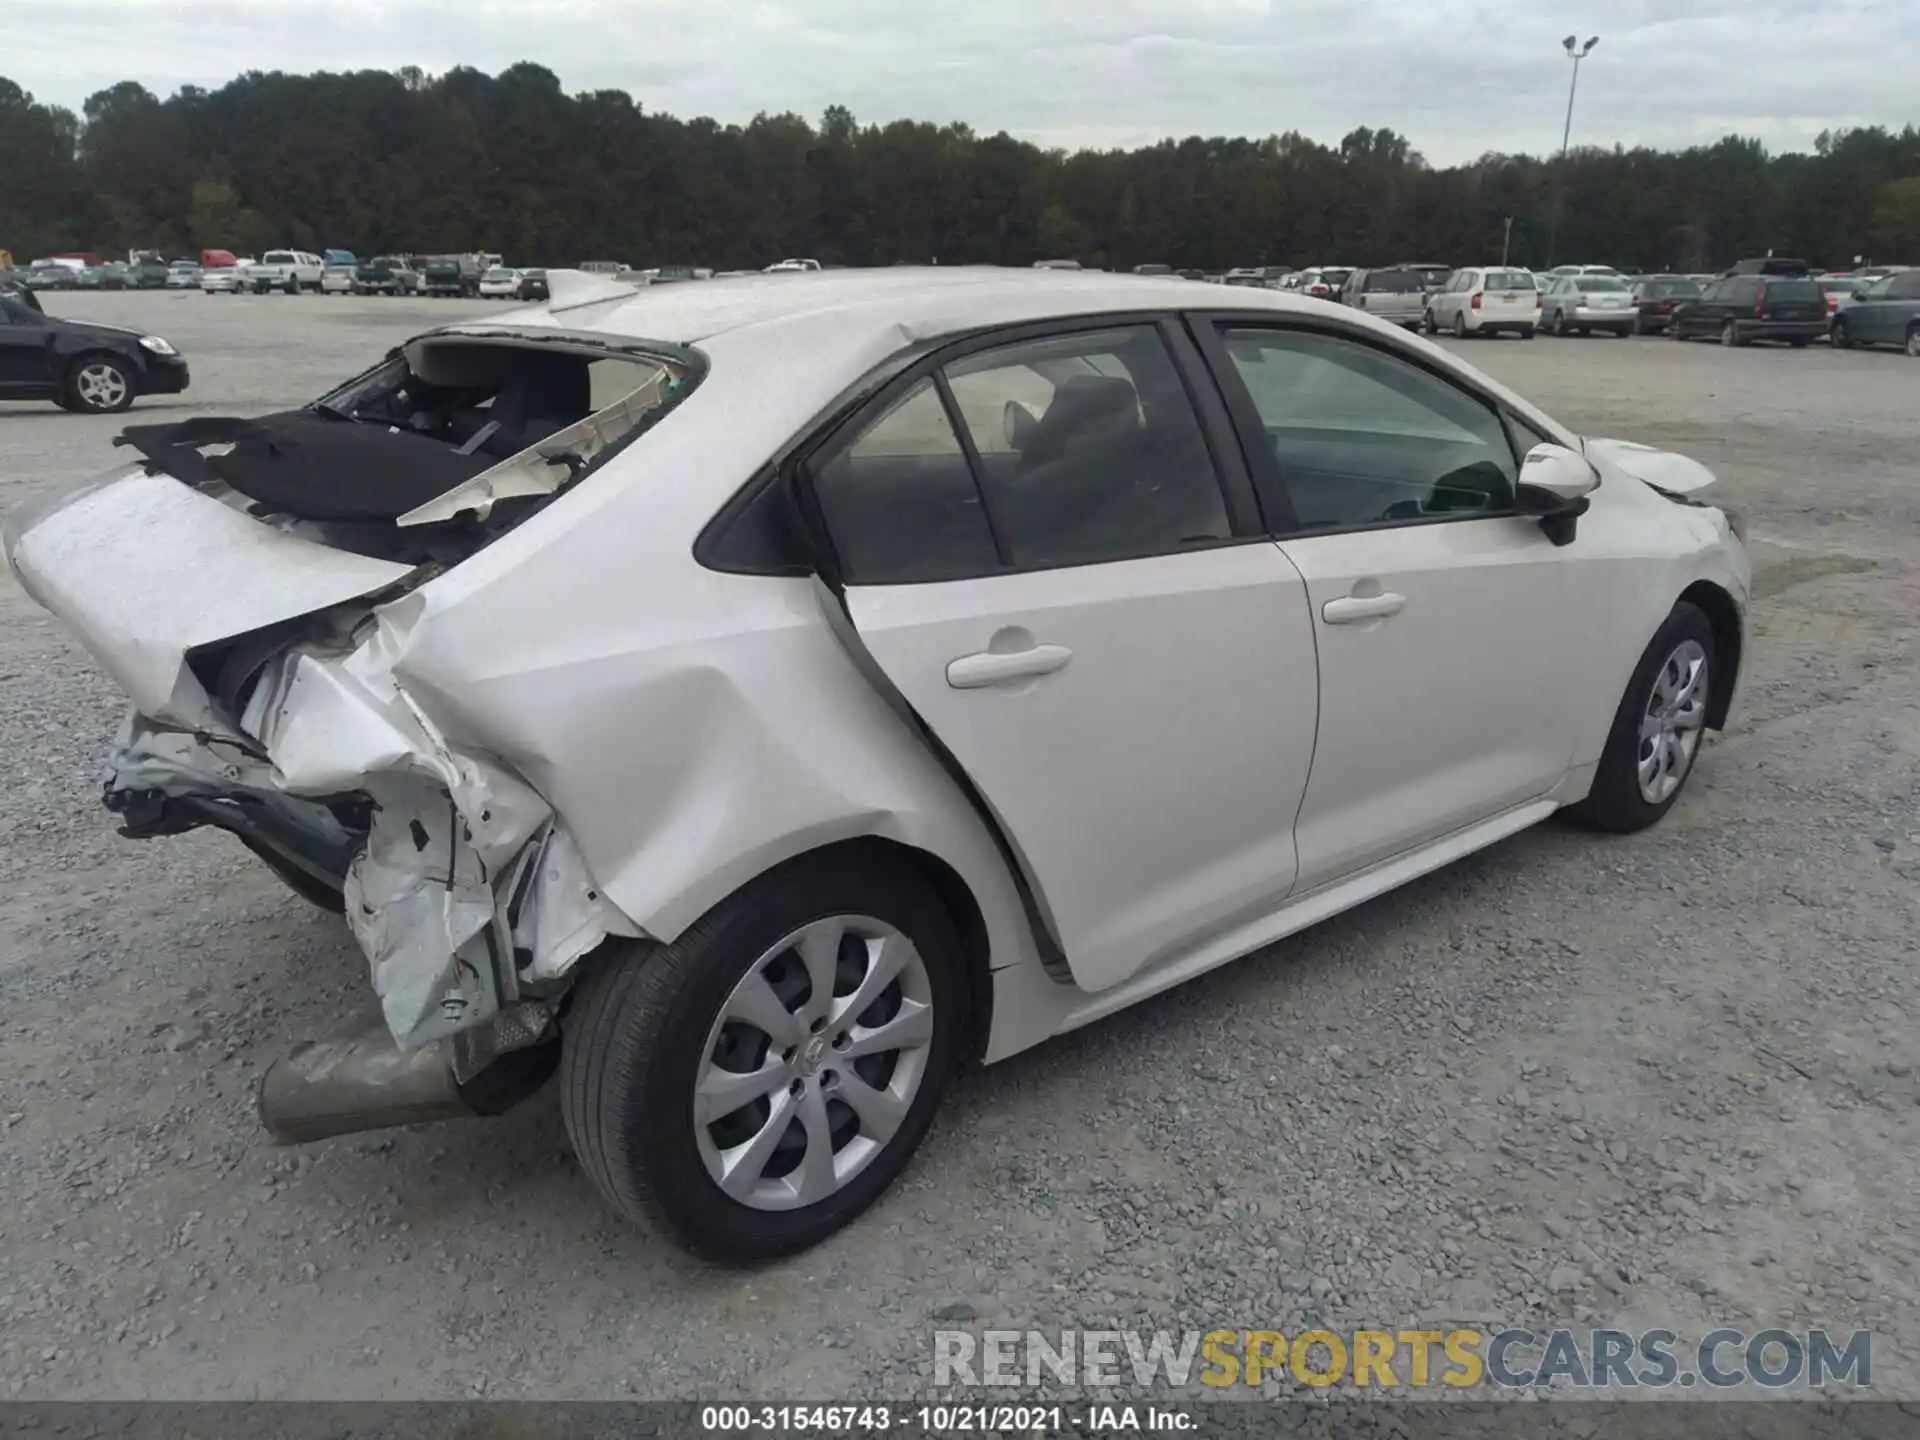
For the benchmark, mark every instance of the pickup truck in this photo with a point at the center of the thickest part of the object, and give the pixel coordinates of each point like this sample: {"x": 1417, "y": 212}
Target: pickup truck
{"x": 452, "y": 275}
{"x": 386, "y": 275}
{"x": 288, "y": 270}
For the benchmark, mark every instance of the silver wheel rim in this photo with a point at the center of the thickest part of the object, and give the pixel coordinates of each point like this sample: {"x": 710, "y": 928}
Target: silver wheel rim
{"x": 1913, "y": 344}
{"x": 101, "y": 386}
{"x": 813, "y": 1062}
{"x": 1670, "y": 727}
{"x": 1727, "y": 333}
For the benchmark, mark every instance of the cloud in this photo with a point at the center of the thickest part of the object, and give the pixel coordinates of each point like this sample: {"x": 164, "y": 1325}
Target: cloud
{"x": 1457, "y": 77}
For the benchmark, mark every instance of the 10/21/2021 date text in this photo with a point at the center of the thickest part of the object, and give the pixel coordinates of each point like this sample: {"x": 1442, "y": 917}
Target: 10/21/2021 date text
{"x": 945, "y": 1419}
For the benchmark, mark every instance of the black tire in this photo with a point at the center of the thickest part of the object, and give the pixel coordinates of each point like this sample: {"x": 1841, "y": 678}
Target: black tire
{"x": 636, "y": 1029}
{"x": 80, "y": 398}
{"x": 1527, "y": 334}
{"x": 1913, "y": 341}
{"x": 1730, "y": 335}
{"x": 1615, "y": 802}
{"x": 1798, "y": 342}
{"x": 1839, "y": 336}
{"x": 1460, "y": 325}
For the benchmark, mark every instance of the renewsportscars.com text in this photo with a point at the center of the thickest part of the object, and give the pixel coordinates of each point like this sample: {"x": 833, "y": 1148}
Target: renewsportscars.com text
{"x": 1771, "y": 1359}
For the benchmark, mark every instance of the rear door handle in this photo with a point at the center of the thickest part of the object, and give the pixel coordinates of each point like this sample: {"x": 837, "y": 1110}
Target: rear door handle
{"x": 1352, "y": 608}
{"x": 992, "y": 667}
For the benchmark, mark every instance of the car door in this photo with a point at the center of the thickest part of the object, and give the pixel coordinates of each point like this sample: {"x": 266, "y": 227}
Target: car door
{"x": 26, "y": 341}
{"x": 1061, "y": 571}
{"x": 1445, "y": 650}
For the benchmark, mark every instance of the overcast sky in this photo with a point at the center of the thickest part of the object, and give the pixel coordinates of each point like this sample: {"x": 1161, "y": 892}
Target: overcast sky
{"x": 1458, "y": 77}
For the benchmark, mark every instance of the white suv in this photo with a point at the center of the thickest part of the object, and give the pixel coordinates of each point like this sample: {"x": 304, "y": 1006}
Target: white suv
{"x": 1485, "y": 301}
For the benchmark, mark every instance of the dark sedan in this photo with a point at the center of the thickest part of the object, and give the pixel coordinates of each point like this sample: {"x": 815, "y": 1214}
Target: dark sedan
{"x": 1654, "y": 297}
{"x": 95, "y": 369}
{"x": 533, "y": 285}
{"x": 1739, "y": 309}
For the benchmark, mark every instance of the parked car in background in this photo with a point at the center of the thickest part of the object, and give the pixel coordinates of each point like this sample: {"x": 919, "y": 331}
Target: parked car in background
{"x": 337, "y": 279}
{"x": 385, "y": 275}
{"x": 1739, "y": 309}
{"x": 1836, "y": 288}
{"x": 183, "y": 275}
{"x": 224, "y": 280}
{"x": 1452, "y": 618}
{"x": 147, "y": 273}
{"x": 1485, "y": 300}
{"x": 451, "y": 276}
{"x": 1581, "y": 304}
{"x": 1249, "y": 275}
{"x": 288, "y": 271}
{"x": 1769, "y": 265}
{"x": 1559, "y": 271}
{"x": 343, "y": 258}
{"x": 1654, "y": 297}
{"x": 1432, "y": 277}
{"x": 533, "y": 285}
{"x": 1153, "y": 269}
{"x": 1885, "y": 311}
{"x": 790, "y": 267}
{"x": 1323, "y": 282}
{"x": 500, "y": 283}
{"x": 43, "y": 277}
{"x": 95, "y": 369}
{"x": 1395, "y": 295}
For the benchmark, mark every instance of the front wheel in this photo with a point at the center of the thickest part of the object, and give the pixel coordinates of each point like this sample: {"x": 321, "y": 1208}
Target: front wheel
{"x": 1841, "y": 339}
{"x": 1913, "y": 342}
{"x": 1730, "y": 334}
{"x": 100, "y": 385}
{"x": 1656, "y": 731}
{"x": 761, "y": 1081}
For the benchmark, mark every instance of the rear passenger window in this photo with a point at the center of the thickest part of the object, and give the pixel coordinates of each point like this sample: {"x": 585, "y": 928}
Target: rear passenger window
{"x": 1080, "y": 449}
{"x": 1089, "y": 449}
{"x": 900, "y": 501}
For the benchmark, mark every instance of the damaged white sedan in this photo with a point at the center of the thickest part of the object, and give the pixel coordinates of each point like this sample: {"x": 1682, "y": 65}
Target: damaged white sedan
{"x": 756, "y": 700}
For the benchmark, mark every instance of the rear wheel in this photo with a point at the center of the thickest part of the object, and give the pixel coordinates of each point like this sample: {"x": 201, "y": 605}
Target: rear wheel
{"x": 1729, "y": 334}
{"x": 1460, "y": 325}
{"x": 1656, "y": 731}
{"x": 758, "y": 1083}
{"x": 1913, "y": 341}
{"x": 1841, "y": 339}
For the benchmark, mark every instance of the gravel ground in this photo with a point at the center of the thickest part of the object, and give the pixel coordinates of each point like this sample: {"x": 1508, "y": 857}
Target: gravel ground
{"x": 1663, "y": 1080}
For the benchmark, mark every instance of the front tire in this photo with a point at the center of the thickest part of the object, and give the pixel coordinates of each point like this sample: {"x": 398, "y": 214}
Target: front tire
{"x": 100, "y": 385}
{"x": 1730, "y": 335}
{"x": 1913, "y": 342}
{"x": 757, "y": 1084}
{"x": 1655, "y": 739}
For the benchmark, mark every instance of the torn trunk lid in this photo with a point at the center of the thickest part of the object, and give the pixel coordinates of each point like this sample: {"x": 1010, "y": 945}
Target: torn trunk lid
{"x": 146, "y": 572}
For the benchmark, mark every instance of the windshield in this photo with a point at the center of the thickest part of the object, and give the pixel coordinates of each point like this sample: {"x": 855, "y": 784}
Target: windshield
{"x": 1335, "y": 277}
{"x": 1396, "y": 282}
{"x": 1593, "y": 283}
{"x": 1778, "y": 289}
{"x": 1509, "y": 280}
{"x": 1669, "y": 289}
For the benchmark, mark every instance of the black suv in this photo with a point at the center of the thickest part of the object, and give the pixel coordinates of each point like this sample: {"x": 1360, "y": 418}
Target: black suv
{"x": 1746, "y": 306}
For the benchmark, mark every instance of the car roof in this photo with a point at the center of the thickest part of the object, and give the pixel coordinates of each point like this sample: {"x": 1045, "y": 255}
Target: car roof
{"x": 910, "y": 303}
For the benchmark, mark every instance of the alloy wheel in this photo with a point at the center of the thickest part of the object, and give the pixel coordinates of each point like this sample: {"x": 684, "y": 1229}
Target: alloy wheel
{"x": 813, "y": 1062}
{"x": 1670, "y": 727}
{"x": 1913, "y": 343}
{"x": 100, "y": 386}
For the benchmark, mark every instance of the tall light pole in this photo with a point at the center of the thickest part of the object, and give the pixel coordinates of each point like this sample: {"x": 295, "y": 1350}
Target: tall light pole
{"x": 1506, "y": 242}
{"x": 1576, "y": 52}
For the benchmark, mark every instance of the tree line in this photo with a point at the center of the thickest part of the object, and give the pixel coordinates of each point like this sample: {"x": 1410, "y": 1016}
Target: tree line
{"x": 375, "y": 161}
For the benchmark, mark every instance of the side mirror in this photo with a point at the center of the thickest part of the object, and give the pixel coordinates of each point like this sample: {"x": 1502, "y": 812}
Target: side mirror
{"x": 1016, "y": 423}
{"x": 1554, "y": 486}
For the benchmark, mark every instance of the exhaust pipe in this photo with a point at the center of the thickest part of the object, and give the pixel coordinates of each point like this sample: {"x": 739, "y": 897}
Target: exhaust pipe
{"x": 356, "y": 1080}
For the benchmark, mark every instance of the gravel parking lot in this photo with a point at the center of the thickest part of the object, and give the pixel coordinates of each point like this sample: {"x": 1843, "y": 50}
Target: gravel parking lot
{"x": 1661, "y": 1080}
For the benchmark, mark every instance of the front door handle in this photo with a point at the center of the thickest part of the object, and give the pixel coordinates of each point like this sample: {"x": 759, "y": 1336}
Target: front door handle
{"x": 992, "y": 667}
{"x": 1352, "y": 608}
